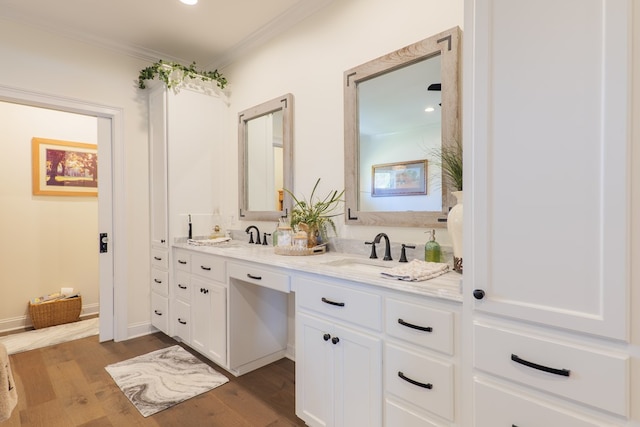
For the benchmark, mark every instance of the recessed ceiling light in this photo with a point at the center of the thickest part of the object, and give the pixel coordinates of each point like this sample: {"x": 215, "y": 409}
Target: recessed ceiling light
{"x": 189, "y": 2}
{"x": 429, "y": 109}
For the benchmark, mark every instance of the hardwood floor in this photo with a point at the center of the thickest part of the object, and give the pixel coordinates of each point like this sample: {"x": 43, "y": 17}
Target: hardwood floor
{"x": 66, "y": 385}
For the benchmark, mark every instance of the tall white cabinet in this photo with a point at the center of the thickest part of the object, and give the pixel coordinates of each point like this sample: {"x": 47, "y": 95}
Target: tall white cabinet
{"x": 547, "y": 212}
{"x": 186, "y": 133}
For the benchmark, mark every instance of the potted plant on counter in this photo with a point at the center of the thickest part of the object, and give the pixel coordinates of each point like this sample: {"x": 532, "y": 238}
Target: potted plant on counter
{"x": 316, "y": 215}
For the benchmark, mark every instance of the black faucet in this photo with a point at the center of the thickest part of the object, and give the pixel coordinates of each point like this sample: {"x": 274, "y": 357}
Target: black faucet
{"x": 403, "y": 252}
{"x": 387, "y": 246}
{"x": 248, "y": 231}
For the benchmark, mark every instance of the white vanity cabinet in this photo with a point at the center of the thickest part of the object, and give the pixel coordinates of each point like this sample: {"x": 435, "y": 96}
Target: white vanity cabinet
{"x": 186, "y": 131}
{"x": 546, "y": 259}
{"x": 209, "y": 307}
{"x": 338, "y": 354}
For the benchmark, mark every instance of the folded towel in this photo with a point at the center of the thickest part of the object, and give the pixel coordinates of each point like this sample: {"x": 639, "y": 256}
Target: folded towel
{"x": 8, "y": 392}
{"x": 416, "y": 270}
{"x": 208, "y": 242}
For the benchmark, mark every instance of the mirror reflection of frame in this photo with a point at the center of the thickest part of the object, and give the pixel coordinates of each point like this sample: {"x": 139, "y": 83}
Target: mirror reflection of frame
{"x": 400, "y": 107}
{"x": 265, "y": 153}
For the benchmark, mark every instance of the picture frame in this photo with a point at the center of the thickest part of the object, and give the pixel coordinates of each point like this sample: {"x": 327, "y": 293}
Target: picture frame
{"x": 399, "y": 179}
{"x": 64, "y": 168}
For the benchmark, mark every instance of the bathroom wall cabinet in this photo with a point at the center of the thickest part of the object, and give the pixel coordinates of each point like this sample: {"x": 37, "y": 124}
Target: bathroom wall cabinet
{"x": 547, "y": 204}
{"x": 186, "y": 130}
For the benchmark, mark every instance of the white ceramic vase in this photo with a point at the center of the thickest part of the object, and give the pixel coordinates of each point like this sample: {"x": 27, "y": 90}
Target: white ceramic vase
{"x": 454, "y": 227}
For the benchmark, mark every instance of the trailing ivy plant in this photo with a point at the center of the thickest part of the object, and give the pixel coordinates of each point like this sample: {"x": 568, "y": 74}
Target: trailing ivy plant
{"x": 166, "y": 72}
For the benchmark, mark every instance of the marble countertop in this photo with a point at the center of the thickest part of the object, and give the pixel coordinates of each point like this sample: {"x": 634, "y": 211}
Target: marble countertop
{"x": 446, "y": 286}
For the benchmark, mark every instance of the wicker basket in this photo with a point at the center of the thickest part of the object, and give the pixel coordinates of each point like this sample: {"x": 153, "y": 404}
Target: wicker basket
{"x": 55, "y": 312}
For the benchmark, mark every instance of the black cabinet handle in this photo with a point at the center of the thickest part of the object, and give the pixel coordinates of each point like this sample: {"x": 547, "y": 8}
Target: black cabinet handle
{"x": 159, "y": 313}
{"x": 251, "y": 276}
{"x": 335, "y": 340}
{"x": 182, "y": 322}
{"x": 412, "y": 326}
{"x": 181, "y": 262}
{"x": 478, "y": 293}
{"x": 182, "y": 286}
{"x": 157, "y": 258}
{"x": 162, "y": 241}
{"x": 562, "y": 372}
{"x": 328, "y": 301}
{"x": 157, "y": 281}
{"x": 205, "y": 268}
{"x": 326, "y": 337}
{"x": 414, "y": 382}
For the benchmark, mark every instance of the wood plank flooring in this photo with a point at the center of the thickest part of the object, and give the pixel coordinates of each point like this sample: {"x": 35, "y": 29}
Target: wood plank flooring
{"x": 66, "y": 385}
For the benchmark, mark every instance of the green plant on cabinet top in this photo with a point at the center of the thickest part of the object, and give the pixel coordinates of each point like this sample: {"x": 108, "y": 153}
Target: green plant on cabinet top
{"x": 172, "y": 74}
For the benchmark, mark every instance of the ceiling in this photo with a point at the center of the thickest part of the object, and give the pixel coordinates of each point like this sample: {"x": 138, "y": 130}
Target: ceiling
{"x": 211, "y": 33}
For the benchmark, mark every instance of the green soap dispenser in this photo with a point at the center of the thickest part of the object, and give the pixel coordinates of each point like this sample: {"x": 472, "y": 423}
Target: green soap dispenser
{"x": 432, "y": 252}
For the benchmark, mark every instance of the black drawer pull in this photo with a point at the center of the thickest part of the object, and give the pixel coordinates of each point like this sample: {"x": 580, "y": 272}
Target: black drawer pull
{"x": 562, "y": 372}
{"x": 326, "y": 337}
{"x": 328, "y": 301}
{"x": 420, "y": 328}
{"x": 157, "y": 258}
{"x": 159, "y": 313}
{"x": 414, "y": 382}
{"x": 182, "y": 286}
{"x": 205, "y": 268}
{"x": 251, "y": 276}
{"x": 182, "y": 322}
{"x": 181, "y": 262}
{"x": 157, "y": 280}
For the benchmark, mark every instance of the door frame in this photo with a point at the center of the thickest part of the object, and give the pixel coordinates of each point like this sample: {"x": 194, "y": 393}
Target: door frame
{"x": 113, "y": 295}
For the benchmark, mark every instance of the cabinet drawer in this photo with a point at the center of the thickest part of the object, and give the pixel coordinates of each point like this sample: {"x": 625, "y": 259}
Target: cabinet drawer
{"x": 342, "y": 302}
{"x": 419, "y": 324}
{"x": 421, "y": 380}
{"x": 159, "y": 281}
{"x": 182, "y": 261}
{"x": 397, "y": 415}
{"x": 580, "y": 373}
{"x": 496, "y": 406}
{"x": 208, "y": 266}
{"x": 160, "y": 312}
{"x": 182, "y": 323}
{"x": 160, "y": 258}
{"x": 182, "y": 285}
{"x": 260, "y": 276}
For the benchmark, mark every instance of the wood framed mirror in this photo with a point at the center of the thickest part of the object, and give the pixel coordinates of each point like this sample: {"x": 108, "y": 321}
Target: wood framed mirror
{"x": 265, "y": 155}
{"x": 402, "y": 108}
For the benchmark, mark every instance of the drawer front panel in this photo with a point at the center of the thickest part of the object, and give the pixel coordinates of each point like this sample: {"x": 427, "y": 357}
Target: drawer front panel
{"x": 499, "y": 407}
{"x": 396, "y": 415}
{"x": 183, "y": 261}
{"x": 182, "y": 285}
{"x": 182, "y": 321}
{"x": 160, "y": 258}
{"x": 260, "y": 276}
{"x": 208, "y": 266}
{"x": 423, "y": 381}
{"x": 160, "y": 281}
{"x": 418, "y": 324}
{"x": 160, "y": 312}
{"x": 342, "y": 302}
{"x": 577, "y": 372}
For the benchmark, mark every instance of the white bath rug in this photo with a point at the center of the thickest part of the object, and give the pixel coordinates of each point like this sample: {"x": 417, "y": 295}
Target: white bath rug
{"x": 38, "y": 338}
{"x": 163, "y": 378}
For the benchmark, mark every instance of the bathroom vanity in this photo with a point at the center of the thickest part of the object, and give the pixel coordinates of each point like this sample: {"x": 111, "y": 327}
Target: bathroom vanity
{"x": 368, "y": 350}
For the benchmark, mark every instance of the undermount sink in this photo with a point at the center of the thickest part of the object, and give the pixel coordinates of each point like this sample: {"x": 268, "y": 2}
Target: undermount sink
{"x": 362, "y": 265}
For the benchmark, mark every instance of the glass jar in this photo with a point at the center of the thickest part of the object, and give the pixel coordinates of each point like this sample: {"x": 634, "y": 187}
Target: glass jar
{"x": 285, "y": 234}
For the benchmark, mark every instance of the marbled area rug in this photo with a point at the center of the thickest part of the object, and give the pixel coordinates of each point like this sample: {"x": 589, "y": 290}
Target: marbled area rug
{"x": 38, "y": 338}
{"x": 163, "y": 378}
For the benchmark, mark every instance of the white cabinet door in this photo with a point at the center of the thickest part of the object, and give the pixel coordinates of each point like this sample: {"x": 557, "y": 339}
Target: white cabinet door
{"x": 158, "y": 167}
{"x": 338, "y": 375}
{"x": 546, "y": 133}
{"x": 209, "y": 325}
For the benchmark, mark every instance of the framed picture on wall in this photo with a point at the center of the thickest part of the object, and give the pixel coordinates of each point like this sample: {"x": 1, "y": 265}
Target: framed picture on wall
{"x": 64, "y": 168}
{"x": 399, "y": 179}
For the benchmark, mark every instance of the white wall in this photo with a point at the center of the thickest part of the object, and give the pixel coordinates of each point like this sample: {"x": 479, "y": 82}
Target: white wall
{"x": 309, "y": 61}
{"x": 47, "y": 241}
{"x": 41, "y": 62}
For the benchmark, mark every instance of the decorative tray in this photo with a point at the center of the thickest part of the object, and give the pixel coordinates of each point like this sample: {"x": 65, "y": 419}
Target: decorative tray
{"x": 298, "y": 251}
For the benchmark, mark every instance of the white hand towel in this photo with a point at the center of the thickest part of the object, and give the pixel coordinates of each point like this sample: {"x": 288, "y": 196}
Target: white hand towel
{"x": 416, "y": 270}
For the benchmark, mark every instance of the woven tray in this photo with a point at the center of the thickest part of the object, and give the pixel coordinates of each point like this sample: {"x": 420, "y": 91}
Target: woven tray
{"x": 297, "y": 251}
{"x": 55, "y": 313}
